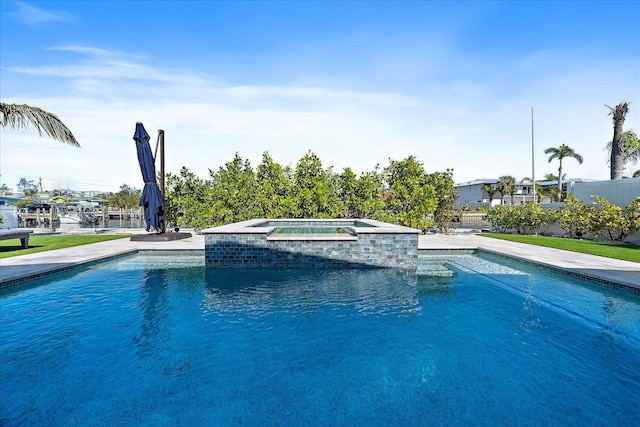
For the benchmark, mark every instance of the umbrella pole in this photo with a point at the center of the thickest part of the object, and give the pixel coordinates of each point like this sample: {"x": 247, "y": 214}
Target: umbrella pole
{"x": 164, "y": 202}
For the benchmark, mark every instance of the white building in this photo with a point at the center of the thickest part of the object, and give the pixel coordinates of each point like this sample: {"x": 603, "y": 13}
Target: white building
{"x": 473, "y": 194}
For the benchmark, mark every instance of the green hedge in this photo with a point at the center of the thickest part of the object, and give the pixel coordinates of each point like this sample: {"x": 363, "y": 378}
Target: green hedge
{"x": 603, "y": 219}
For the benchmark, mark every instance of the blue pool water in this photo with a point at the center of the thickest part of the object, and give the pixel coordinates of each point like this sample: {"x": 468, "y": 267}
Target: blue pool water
{"x": 157, "y": 340}
{"x": 313, "y": 230}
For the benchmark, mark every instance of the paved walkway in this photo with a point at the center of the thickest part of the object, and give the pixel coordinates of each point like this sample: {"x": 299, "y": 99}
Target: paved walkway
{"x": 606, "y": 269}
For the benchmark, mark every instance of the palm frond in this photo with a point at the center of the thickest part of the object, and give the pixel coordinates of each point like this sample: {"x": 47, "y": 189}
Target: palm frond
{"x": 630, "y": 149}
{"x": 25, "y": 117}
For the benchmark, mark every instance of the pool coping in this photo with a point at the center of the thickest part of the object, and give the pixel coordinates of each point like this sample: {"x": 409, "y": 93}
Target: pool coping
{"x": 616, "y": 273}
{"x": 255, "y": 226}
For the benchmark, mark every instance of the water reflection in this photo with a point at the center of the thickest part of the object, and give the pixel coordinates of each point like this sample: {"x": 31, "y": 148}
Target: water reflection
{"x": 435, "y": 286}
{"x": 365, "y": 292}
{"x": 155, "y": 309}
{"x": 621, "y": 315}
{"x": 530, "y": 319}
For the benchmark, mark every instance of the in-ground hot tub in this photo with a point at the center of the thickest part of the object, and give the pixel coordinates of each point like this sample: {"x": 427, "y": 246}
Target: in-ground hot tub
{"x": 311, "y": 243}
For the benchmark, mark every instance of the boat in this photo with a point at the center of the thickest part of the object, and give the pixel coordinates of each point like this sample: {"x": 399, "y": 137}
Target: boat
{"x": 78, "y": 218}
{"x": 76, "y": 213}
{"x": 69, "y": 218}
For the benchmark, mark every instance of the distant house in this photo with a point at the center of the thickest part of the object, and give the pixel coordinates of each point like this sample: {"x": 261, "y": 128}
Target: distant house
{"x": 472, "y": 194}
{"x": 9, "y": 200}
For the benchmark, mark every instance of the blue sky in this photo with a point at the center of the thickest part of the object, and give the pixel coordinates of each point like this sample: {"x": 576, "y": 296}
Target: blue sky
{"x": 357, "y": 83}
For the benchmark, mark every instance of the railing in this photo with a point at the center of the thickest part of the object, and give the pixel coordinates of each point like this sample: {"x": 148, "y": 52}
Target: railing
{"x": 470, "y": 221}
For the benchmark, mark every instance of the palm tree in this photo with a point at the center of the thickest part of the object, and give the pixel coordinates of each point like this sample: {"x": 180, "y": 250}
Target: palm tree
{"x": 539, "y": 194}
{"x": 491, "y": 190}
{"x": 506, "y": 185}
{"x": 560, "y": 153}
{"x": 631, "y": 148}
{"x": 21, "y": 117}
{"x": 552, "y": 193}
{"x": 617, "y": 145}
{"x": 547, "y": 190}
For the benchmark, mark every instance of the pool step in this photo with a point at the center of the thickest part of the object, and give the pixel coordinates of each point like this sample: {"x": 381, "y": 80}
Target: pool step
{"x": 433, "y": 269}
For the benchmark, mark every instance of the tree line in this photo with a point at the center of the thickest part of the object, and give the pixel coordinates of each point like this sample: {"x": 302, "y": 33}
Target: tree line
{"x": 402, "y": 193}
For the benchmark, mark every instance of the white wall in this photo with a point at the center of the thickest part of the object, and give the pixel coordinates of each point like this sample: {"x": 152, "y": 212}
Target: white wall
{"x": 620, "y": 192}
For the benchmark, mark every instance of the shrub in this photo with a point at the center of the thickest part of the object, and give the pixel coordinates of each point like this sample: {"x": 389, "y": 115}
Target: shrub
{"x": 497, "y": 217}
{"x": 604, "y": 220}
{"x": 612, "y": 222}
{"x": 574, "y": 217}
{"x": 528, "y": 218}
{"x": 531, "y": 218}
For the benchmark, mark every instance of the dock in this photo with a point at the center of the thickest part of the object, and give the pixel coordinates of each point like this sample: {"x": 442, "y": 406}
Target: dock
{"x": 48, "y": 217}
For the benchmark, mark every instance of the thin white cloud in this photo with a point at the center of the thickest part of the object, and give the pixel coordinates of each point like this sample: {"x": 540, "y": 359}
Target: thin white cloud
{"x": 476, "y": 122}
{"x": 98, "y": 64}
{"x": 33, "y": 16}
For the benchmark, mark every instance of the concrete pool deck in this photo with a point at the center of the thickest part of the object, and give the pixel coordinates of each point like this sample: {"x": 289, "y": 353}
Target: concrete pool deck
{"x": 608, "y": 270}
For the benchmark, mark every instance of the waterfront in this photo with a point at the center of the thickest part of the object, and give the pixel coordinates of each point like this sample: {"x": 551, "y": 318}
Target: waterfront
{"x": 111, "y": 223}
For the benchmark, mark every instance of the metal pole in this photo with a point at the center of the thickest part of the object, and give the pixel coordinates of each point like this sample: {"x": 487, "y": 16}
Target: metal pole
{"x": 533, "y": 170}
{"x": 161, "y": 137}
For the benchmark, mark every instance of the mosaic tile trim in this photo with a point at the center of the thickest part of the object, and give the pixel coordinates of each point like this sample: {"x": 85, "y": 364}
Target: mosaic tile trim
{"x": 228, "y": 250}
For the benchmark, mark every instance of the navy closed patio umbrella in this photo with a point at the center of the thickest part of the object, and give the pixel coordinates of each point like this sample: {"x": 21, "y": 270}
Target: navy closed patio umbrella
{"x": 151, "y": 198}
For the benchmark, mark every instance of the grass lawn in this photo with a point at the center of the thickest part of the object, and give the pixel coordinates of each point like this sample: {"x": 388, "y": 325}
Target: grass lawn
{"x": 9, "y": 248}
{"x": 621, "y": 251}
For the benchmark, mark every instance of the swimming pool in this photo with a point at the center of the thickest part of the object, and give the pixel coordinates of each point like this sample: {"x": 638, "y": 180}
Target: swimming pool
{"x": 157, "y": 339}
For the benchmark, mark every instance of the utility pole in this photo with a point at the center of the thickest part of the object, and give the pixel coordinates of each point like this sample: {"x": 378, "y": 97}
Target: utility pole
{"x": 533, "y": 165}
